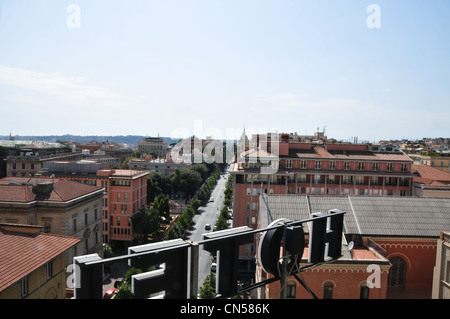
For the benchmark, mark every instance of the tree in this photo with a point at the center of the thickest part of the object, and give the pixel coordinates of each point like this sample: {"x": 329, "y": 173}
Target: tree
{"x": 125, "y": 163}
{"x": 162, "y": 204}
{"x": 107, "y": 251}
{"x": 208, "y": 289}
{"x": 146, "y": 221}
{"x": 202, "y": 169}
{"x": 125, "y": 288}
{"x": 196, "y": 204}
{"x": 190, "y": 181}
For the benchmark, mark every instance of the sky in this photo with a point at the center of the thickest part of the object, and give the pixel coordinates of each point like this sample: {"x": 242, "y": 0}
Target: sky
{"x": 369, "y": 69}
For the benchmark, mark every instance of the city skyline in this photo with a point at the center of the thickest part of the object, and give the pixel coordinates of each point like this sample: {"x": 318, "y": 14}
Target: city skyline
{"x": 372, "y": 70}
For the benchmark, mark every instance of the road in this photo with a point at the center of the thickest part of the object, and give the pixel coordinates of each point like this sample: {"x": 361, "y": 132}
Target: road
{"x": 207, "y": 215}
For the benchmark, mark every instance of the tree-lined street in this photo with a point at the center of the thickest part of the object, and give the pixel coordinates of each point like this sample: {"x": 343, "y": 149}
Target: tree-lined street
{"x": 207, "y": 214}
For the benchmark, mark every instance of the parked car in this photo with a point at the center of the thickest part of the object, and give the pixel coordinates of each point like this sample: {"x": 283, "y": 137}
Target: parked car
{"x": 213, "y": 267}
{"x": 207, "y": 227}
{"x": 211, "y": 199}
{"x": 110, "y": 293}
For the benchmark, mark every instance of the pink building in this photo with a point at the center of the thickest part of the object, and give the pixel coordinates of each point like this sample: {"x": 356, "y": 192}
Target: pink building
{"x": 125, "y": 193}
{"x": 312, "y": 167}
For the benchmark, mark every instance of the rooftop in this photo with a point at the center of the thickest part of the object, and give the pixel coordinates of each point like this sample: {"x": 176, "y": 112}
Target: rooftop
{"x": 24, "y": 249}
{"x": 365, "y": 215}
{"x": 24, "y": 189}
{"x": 431, "y": 175}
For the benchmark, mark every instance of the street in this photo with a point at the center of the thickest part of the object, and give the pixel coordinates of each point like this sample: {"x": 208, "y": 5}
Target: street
{"x": 207, "y": 215}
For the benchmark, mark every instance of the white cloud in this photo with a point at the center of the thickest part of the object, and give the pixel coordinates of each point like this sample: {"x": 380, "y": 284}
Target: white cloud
{"x": 66, "y": 89}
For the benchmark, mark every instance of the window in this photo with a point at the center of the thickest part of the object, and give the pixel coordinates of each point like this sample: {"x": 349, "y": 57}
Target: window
{"x": 291, "y": 287}
{"x": 318, "y": 164}
{"x": 24, "y": 287}
{"x": 126, "y": 197}
{"x": 288, "y": 163}
{"x": 332, "y": 166}
{"x": 49, "y": 267}
{"x": 404, "y": 168}
{"x": 361, "y": 166}
{"x": 23, "y": 165}
{"x": 47, "y": 227}
{"x": 85, "y": 219}
{"x": 74, "y": 224}
{"x": 316, "y": 179}
{"x": 375, "y": 167}
{"x": 359, "y": 180}
{"x": 346, "y": 166}
{"x": 302, "y": 164}
{"x": 364, "y": 293}
{"x": 397, "y": 272}
{"x": 328, "y": 291}
{"x": 389, "y": 167}
{"x": 118, "y": 196}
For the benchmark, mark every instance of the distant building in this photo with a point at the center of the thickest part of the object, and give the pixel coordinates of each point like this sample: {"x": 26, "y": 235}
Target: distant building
{"x": 125, "y": 193}
{"x": 153, "y": 145}
{"x": 163, "y": 166}
{"x": 33, "y": 263}
{"x": 61, "y": 207}
{"x": 27, "y": 157}
{"x": 438, "y": 161}
{"x": 430, "y": 182}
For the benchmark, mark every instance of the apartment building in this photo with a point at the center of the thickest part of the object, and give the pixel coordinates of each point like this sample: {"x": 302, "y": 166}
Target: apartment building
{"x": 291, "y": 164}
{"x": 43, "y": 275}
{"x": 124, "y": 194}
{"x": 154, "y": 145}
{"x": 315, "y": 168}
{"x": 27, "y": 157}
{"x": 61, "y": 207}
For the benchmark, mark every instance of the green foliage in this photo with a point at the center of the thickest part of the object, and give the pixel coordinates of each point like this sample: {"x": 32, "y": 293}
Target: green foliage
{"x": 125, "y": 288}
{"x": 107, "y": 251}
{"x": 179, "y": 228}
{"x": 208, "y": 289}
{"x": 162, "y": 205}
{"x": 196, "y": 204}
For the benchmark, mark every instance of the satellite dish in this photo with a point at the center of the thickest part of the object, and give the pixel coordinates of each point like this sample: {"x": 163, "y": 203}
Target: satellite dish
{"x": 350, "y": 245}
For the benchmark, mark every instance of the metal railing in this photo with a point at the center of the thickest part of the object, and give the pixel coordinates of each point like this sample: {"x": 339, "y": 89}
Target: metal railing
{"x": 178, "y": 276}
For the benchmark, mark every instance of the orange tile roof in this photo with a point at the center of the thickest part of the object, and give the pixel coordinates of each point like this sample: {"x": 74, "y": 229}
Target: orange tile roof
{"x": 22, "y": 253}
{"x": 432, "y": 173}
{"x": 20, "y": 189}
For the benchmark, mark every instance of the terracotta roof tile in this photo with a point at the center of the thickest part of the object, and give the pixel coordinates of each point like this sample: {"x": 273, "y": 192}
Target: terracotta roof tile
{"x": 20, "y": 189}
{"x": 432, "y": 173}
{"x": 21, "y": 253}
